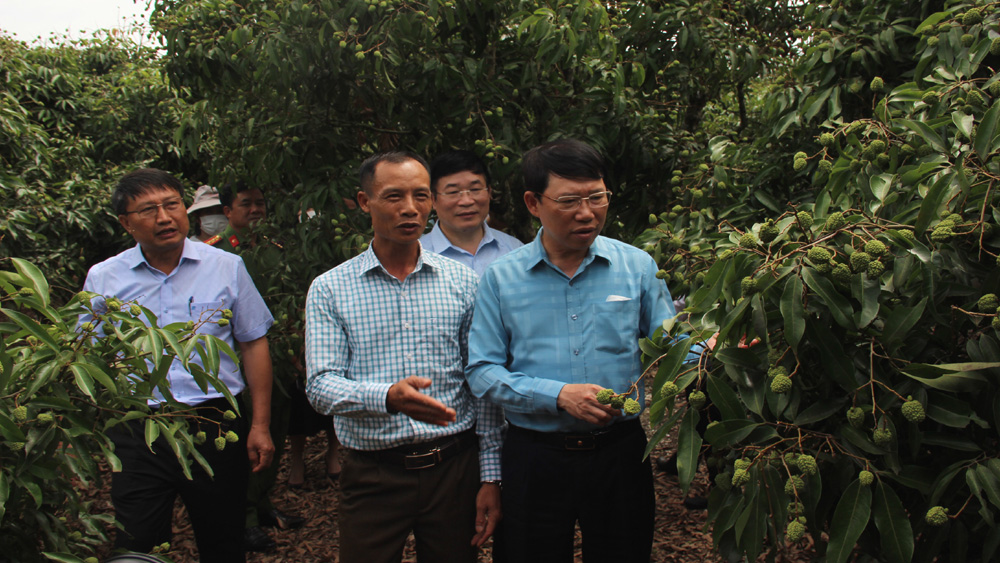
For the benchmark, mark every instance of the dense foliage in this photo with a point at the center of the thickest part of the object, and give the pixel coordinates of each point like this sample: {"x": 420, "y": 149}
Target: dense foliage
{"x": 854, "y": 391}
{"x": 62, "y": 387}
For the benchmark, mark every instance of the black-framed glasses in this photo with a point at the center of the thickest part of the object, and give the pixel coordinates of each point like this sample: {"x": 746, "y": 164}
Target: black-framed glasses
{"x": 572, "y": 202}
{"x": 149, "y": 211}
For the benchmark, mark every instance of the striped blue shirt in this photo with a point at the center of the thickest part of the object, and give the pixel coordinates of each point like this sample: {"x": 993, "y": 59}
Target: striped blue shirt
{"x": 366, "y": 330}
{"x": 493, "y": 245}
{"x": 536, "y": 330}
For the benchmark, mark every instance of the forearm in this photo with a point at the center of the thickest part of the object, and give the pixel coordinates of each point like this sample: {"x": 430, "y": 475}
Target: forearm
{"x": 490, "y": 425}
{"x": 333, "y": 394}
{"x": 257, "y": 370}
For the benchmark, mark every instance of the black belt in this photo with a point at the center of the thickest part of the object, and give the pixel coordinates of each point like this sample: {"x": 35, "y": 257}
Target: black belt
{"x": 580, "y": 441}
{"x": 425, "y": 454}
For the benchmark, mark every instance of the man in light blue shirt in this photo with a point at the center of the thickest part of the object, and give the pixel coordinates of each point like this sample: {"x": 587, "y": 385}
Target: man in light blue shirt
{"x": 556, "y": 321}
{"x": 462, "y": 191}
{"x": 179, "y": 281}
{"x": 386, "y": 342}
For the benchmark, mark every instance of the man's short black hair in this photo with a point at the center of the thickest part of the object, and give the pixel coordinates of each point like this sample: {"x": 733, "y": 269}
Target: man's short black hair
{"x": 566, "y": 158}
{"x": 366, "y": 173}
{"x": 229, "y": 191}
{"x": 453, "y": 162}
{"x": 139, "y": 182}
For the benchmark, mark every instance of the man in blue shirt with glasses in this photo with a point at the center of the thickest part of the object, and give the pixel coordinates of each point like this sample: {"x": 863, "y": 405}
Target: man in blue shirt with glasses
{"x": 555, "y": 322}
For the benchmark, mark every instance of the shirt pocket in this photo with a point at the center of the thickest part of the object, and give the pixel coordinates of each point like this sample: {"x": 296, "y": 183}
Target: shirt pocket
{"x": 616, "y": 326}
{"x": 440, "y": 339}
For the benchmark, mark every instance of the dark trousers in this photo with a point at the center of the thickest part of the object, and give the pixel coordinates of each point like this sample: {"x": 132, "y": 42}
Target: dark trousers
{"x": 381, "y": 503}
{"x": 143, "y": 492}
{"x": 547, "y": 489}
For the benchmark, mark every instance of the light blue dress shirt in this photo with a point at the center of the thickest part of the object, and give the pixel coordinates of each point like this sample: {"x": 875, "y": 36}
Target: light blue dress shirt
{"x": 205, "y": 281}
{"x": 366, "y": 330}
{"x": 493, "y": 245}
{"x": 535, "y": 329}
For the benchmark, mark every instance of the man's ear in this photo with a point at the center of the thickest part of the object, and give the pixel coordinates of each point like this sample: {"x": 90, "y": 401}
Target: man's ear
{"x": 531, "y": 202}
{"x": 363, "y": 201}
{"x": 227, "y": 211}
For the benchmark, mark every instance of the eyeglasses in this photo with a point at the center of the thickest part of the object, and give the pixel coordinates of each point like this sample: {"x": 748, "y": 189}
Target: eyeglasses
{"x": 149, "y": 211}
{"x": 572, "y": 202}
{"x": 474, "y": 193}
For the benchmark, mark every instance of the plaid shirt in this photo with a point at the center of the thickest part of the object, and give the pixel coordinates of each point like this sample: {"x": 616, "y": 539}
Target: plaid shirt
{"x": 366, "y": 330}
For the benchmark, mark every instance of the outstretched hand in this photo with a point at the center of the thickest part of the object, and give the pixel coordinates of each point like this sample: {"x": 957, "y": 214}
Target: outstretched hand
{"x": 406, "y": 397}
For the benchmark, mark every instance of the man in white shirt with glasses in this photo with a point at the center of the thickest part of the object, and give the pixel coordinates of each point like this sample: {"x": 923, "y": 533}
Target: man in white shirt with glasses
{"x": 460, "y": 187}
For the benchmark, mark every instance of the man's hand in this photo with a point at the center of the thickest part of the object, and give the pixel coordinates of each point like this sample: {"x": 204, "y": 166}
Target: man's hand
{"x": 405, "y": 397}
{"x": 580, "y": 400}
{"x": 260, "y": 448}
{"x": 488, "y": 512}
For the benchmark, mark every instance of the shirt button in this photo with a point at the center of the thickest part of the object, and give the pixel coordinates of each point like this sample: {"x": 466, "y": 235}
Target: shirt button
{"x": 409, "y": 356}
{"x": 406, "y": 325}
{"x": 576, "y": 352}
{"x": 573, "y": 317}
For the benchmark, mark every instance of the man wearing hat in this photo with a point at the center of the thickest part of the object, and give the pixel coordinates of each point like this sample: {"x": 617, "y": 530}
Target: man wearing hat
{"x": 206, "y": 215}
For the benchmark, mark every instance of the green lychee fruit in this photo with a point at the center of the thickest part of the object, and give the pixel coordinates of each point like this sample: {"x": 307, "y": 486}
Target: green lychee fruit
{"x": 748, "y": 286}
{"x": 875, "y": 247}
{"x": 604, "y": 396}
{"x": 617, "y": 402}
{"x": 45, "y": 417}
{"x": 740, "y": 477}
{"x": 807, "y": 464}
{"x": 631, "y": 406}
{"x": 841, "y": 273}
{"x": 860, "y": 260}
{"x": 229, "y": 415}
{"x": 882, "y": 437}
{"x": 818, "y": 255}
{"x": 222, "y": 322}
{"x": 135, "y": 310}
{"x": 866, "y": 478}
{"x": 825, "y": 165}
{"x": 776, "y": 371}
{"x": 232, "y": 437}
{"x": 794, "y": 483}
{"x": 795, "y": 531}
{"x": 988, "y": 303}
{"x": 877, "y": 85}
{"x": 220, "y": 443}
{"x": 697, "y": 399}
{"x": 781, "y": 384}
{"x": 856, "y": 417}
{"x": 834, "y": 221}
{"x": 669, "y": 389}
{"x": 913, "y": 410}
{"x": 937, "y": 516}
{"x": 747, "y": 240}
{"x": 20, "y": 413}
{"x": 968, "y": 39}
{"x": 799, "y": 163}
{"x": 972, "y": 17}
{"x": 200, "y": 437}
{"x": 875, "y": 269}
{"x": 805, "y": 219}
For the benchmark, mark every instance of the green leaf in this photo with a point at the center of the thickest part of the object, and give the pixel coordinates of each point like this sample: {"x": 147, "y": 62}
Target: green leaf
{"x": 724, "y": 399}
{"x": 33, "y": 328}
{"x": 987, "y": 132}
{"x": 928, "y": 134}
{"x": 83, "y": 380}
{"x": 849, "y": 519}
{"x": 893, "y": 525}
{"x": 836, "y": 303}
{"x": 793, "y": 312}
{"x": 11, "y": 431}
{"x": 820, "y": 410}
{"x": 943, "y": 379}
{"x": 62, "y": 557}
{"x": 932, "y": 202}
{"x": 963, "y": 122}
{"x": 31, "y": 273}
{"x": 990, "y": 484}
{"x": 729, "y": 432}
{"x": 152, "y": 432}
{"x": 899, "y": 322}
{"x": 688, "y": 448}
{"x": 96, "y": 373}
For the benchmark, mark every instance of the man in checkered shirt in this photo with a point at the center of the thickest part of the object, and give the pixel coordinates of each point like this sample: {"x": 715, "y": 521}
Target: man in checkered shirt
{"x": 386, "y": 344}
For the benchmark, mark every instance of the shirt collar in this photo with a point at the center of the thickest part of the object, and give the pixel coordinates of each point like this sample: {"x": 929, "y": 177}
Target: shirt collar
{"x": 368, "y": 261}
{"x": 136, "y": 258}
{"x": 440, "y": 239}
{"x": 537, "y": 255}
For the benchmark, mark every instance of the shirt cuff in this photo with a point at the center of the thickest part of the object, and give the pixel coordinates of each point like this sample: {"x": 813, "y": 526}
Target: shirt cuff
{"x": 547, "y": 394}
{"x": 375, "y": 397}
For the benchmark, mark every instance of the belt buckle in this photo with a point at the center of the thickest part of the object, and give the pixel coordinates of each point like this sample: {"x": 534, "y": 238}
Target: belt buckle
{"x": 581, "y": 442}
{"x": 423, "y": 461}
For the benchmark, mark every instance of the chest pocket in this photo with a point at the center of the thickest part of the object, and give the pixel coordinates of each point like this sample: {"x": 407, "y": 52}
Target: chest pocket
{"x": 440, "y": 339}
{"x": 616, "y": 326}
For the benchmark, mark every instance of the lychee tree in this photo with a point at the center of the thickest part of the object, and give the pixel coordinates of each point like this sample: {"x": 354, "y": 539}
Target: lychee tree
{"x": 63, "y": 385}
{"x": 853, "y": 392}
